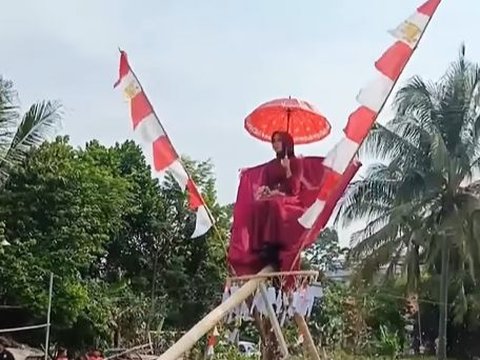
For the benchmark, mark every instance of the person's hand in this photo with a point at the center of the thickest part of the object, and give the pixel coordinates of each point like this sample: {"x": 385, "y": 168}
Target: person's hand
{"x": 266, "y": 191}
{"x": 276, "y": 193}
{"x": 262, "y": 191}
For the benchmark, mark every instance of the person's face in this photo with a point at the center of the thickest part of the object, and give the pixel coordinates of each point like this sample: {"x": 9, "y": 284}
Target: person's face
{"x": 277, "y": 143}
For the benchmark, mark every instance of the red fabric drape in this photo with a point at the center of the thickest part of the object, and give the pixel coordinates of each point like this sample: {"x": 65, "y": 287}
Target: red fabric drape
{"x": 274, "y": 221}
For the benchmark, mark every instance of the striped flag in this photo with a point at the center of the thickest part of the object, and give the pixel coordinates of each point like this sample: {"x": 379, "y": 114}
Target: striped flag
{"x": 212, "y": 341}
{"x": 153, "y": 136}
{"x": 371, "y": 99}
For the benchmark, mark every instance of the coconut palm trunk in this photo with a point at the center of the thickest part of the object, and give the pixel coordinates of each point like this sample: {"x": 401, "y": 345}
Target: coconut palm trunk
{"x": 443, "y": 303}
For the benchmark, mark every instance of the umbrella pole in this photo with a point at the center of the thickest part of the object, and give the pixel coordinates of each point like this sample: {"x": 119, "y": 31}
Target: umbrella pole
{"x": 288, "y": 120}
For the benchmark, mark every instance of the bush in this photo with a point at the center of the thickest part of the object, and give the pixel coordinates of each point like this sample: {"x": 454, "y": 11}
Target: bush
{"x": 387, "y": 343}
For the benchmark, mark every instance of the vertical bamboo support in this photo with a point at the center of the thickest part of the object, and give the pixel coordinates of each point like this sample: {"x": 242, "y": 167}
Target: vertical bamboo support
{"x": 309, "y": 344}
{"x": 187, "y": 341}
{"x": 49, "y": 311}
{"x": 274, "y": 322}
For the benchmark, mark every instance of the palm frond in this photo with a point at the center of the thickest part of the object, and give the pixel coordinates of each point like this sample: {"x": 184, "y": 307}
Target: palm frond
{"x": 370, "y": 229}
{"x": 349, "y": 213}
{"x": 8, "y": 102}
{"x": 413, "y": 199}
{"x": 363, "y": 247}
{"x": 40, "y": 123}
{"x": 415, "y": 97}
{"x": 386, "y": 144}
{"x": 8, "y": 115}
{"x": 366, "y": 198}
{"x": 439, "y": 153}
{"x": 383, "y": 255}
{"x": 458, "y": 86}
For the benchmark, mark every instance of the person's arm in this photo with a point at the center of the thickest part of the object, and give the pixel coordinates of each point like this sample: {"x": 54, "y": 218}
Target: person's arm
{"x": 293, "y": 174}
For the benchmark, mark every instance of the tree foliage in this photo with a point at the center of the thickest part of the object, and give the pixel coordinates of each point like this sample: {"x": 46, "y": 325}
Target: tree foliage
{"x": 415, "y": 202}
{"x": 116, "y": 238}
{"x": 20, "y": 133}
{"x": 326, "y": 254}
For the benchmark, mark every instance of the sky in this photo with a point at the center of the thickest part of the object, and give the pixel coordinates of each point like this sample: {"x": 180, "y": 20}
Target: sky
{"x": 205, "y": 65}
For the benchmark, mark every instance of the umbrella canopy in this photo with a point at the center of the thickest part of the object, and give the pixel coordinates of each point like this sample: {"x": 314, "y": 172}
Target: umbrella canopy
{"x": 299, "y": 118}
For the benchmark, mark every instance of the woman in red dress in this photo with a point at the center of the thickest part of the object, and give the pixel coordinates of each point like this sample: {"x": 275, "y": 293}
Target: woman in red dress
{"x": 277, "y": 204}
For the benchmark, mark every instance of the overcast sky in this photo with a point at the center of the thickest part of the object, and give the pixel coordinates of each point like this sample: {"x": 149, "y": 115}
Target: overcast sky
{"x": 206, "y": 64}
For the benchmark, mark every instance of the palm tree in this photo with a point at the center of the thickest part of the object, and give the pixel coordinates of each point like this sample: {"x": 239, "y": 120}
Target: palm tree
{"x": 20, "y": 133}
{"x": 414, "y": 200}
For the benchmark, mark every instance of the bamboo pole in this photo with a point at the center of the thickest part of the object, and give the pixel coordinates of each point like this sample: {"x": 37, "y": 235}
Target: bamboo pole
{"x": 275, "y": 274}
{"x": 274, "y": 322}
{"x": 49, "y": 311}
{"x": 187, "y": 341}
{"x": 307, "y": 337}
{"x": 23, "y": 328}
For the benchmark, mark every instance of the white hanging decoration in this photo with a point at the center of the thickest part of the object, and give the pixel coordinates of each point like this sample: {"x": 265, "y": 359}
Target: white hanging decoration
{"x": 293, "y": 304}
{"x": 279, "y": 302}
{"x": 233, "y": 336}
{"x": 286, "y": 303}
{"x": 226, "y": 294}
{"x": 301, "y": 306}
{"x": 236, "y": 309}
{"x": 258, "y": 304}
{"x": 244, "y": 312}
{"x": 272, "y": 296}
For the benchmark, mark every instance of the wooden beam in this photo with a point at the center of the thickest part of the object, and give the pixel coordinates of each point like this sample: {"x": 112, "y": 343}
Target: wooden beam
{"x": 187, "y": 341}
{"x": 274, "y": 322}
{"x": 275, "y": 274}
{"x": 307, "y": 337}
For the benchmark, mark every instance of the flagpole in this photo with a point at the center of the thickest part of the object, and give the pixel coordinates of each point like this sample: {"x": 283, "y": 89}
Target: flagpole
{"x": 163, "y": 128}
{"x": 153, "y": 110}
{"x": 209, "y": 213}
{"x": 375, "y": 120}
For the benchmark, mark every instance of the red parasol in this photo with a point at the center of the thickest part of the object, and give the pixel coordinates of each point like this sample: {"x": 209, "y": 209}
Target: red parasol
{"x": 297, "y": 117}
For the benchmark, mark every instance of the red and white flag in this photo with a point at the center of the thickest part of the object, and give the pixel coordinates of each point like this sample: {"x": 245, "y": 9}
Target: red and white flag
{"x": 212, "y": 341}
{"x": 152, "y": 135}
{"x": 371, "y": 99}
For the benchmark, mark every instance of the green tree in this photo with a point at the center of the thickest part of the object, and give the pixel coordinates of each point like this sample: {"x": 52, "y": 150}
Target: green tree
{"x": 326, "y": 253}
{"x": 176, "y": 278}
{"x": 196, "y": 270}
{"x": 414, "y": 201}
{"x": 58, "y": 212}
{"x": 19, "y": 133}
{"x": 117, "y": 240}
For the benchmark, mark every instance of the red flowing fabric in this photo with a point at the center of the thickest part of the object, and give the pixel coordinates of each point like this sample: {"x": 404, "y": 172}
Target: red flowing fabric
{"x": 274, "y": 221}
